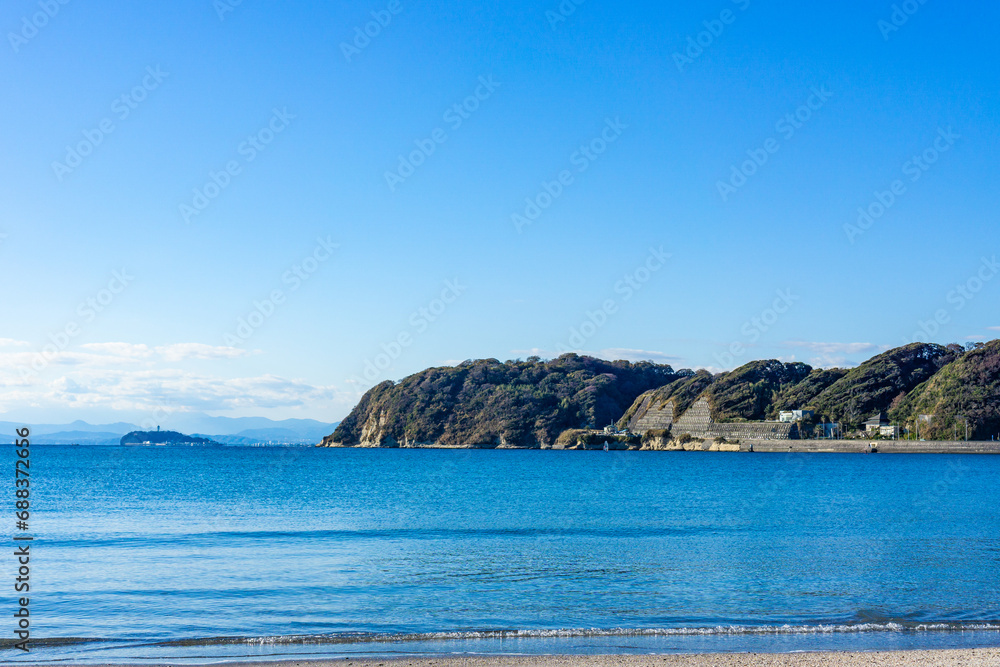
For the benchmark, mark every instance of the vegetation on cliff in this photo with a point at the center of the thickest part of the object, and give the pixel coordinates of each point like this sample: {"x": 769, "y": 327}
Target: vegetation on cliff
{"x": 804, "y": 393}
{"x": 967, "y": 388}
{"x": 749, "y": 392}
{"x": 165, "y": 438}
{"x": 530, "y": 403}
{"x": 874, "y": 385}
{"x": 683, "y": 391}
{"x": 760, "y": 390}
{"x": 487, "y": 403}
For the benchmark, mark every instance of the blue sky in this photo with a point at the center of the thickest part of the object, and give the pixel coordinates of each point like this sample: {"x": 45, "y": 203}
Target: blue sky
{"x": 248, "y": 159}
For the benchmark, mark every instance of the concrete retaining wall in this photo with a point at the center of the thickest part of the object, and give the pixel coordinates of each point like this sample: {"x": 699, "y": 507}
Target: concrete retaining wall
{"x": 884, "y": 446}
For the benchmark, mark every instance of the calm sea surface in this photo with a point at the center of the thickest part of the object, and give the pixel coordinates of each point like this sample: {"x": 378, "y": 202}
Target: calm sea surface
{"x": 206, "y": 554}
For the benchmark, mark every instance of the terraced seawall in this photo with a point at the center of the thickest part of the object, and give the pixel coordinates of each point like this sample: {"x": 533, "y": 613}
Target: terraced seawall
{"x": 865, "y": 446}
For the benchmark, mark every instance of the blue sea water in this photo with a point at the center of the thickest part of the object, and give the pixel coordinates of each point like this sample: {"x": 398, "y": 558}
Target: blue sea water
{"x": 194, "y": 555}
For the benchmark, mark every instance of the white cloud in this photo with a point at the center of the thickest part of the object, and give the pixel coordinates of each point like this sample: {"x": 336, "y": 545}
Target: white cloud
{"x": 10, "y": 342}
{"x": 829, "y": 355}
{"x": 149, "y": 390}
{"x": 119, "y": 349}
{"x": 993, "y": 328}
{"x": 834, "y": 348}
{"x": 533, "y": 352}
{"x": 184, "y": 351}
{"x": 125, "y": 376}
{"x": 628, "y": 354}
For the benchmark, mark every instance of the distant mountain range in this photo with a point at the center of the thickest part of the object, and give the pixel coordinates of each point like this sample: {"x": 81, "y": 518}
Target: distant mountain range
{"x": 226, "y": 430}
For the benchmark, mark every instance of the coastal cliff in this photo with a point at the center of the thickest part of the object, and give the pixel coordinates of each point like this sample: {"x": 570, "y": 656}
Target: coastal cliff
{"x": 528, "y": 404}
{"x": 760, "y": 390}
{"x": 489, "y": 404}
{"x": 966, "y": 392}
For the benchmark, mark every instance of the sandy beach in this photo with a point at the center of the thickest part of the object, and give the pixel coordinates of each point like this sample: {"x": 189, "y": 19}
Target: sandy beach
{"x": 942, "y": 658}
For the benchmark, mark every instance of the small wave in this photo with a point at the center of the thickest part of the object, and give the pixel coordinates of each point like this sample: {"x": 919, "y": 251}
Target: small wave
{"x": 161, "y": 539}
{"x": 464, "y": 635}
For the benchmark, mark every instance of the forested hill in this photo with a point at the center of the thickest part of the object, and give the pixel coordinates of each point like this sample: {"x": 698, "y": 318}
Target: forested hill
{"x": 529, "y": 403}
{"x": 487, "y": 403}
{"x": 760, "y": 390}
{"x": 967, "y": 389}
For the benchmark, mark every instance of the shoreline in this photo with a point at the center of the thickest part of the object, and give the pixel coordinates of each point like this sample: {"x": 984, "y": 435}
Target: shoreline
{"x": 911, "y": 658}
{"x": 759, "y": 447}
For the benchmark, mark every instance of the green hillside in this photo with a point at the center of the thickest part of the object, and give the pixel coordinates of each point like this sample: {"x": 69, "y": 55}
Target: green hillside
{"x": 968, "y": 387}
{"x": 487, "y": 403}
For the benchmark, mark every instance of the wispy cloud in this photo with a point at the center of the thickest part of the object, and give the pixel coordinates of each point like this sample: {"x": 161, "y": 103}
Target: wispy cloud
{"x": 10, "y": 342}
{"x": 608, "y": 353}
{"x": 130, "y": 377}
{"x": 183, "y": 351}
{"x": 827, "y": 355}
{"x": 629, "y": 354}
{"x": 119, "y": 349}
{"x": 148, "y": 390}
{"x": 834, "y": 348}
{"x": 533, "y": 352}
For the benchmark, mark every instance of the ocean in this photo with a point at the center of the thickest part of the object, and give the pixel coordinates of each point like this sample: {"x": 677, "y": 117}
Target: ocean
{"x": 212, "y": 554}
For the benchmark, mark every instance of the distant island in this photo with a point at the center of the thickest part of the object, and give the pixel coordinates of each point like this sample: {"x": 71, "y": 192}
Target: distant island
{"x": 166, "y": 438}
{"x": 918, "y": 392}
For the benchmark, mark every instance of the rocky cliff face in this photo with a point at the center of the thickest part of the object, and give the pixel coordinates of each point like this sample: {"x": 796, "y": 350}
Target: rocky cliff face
{"x": 489, "y": 404}
{"x": 527, "y": 404}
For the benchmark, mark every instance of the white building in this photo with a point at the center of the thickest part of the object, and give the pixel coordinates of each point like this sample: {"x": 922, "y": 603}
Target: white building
{"x": 889, "y": 432}
{"x": 790, "y": 416}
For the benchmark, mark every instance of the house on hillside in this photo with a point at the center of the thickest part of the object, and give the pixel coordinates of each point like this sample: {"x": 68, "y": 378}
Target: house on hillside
{"x": 880, "y": 424}
{"x": 792, "y": 416}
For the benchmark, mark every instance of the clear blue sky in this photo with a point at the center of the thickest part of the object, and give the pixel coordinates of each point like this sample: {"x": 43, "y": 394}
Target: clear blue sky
{"x": 330, "y": 122}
